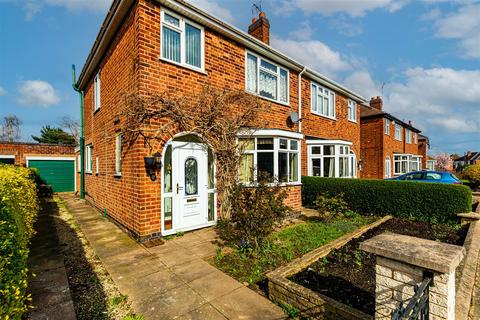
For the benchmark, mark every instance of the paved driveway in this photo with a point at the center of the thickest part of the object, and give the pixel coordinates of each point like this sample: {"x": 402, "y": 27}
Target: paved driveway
{"x": 171, "y": 281}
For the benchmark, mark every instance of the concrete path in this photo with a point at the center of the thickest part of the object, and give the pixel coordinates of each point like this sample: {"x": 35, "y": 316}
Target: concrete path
{"x": 171, "y": 281}
{"x": 50, "y": 291}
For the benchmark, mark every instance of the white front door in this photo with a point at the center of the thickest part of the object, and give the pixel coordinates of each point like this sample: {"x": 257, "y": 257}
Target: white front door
{"x": 190, "y": 183}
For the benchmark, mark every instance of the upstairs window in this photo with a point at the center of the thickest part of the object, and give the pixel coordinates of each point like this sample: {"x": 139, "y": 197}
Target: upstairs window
{"x": 323, "y": 101}
{"x": 408, "y": 136}
{"x": 398, "y": 132}
{"x": 352, "y": 110}
{"x": 96, "y": 92}
{"x": 266, "y": 79}
{"x": 415, "y": 138}
{"x": 387, "y": 127}
{"x": 182, "y": 41}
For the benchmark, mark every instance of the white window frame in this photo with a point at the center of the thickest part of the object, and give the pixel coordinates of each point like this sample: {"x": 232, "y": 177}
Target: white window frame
{"x": 387, "y": 126}
{"x": 326, "y": 93}
{"x": 276, "y": 135}
{"x": 338, "y": 145}
{"x": 415, "y": 138}
{"x": 97, "y": 92}
{"x": 88, "y": 158}
{"x": 259, "y": 67}
{"x": 408, "y": 136}
{"x": 118, "y": 154}
{"x": 181, "y": 30}
{"x": 352, "y": 110}
{"x": 408, "y": 159}
{"x": 388, "y": 167}
{"x": 398, "y": 132}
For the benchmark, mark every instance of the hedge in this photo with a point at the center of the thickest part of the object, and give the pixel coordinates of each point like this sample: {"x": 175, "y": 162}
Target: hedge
{"x": 436, "y": 203}
{"x": 18, "y": 211}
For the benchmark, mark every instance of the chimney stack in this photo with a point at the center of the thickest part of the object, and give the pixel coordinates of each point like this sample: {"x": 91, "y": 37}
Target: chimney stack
{"x": 260, "y": 28}
{"x": 376, "y": 103}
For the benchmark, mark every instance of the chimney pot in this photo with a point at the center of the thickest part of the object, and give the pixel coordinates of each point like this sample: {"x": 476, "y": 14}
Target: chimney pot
{"x": 260, "y": 28}
{"x": 376, "y": 103}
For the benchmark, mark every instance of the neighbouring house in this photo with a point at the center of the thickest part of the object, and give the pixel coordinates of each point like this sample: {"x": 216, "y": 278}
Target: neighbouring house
{"x": 153, "y": 46}
{"x": 470, "y": 158}
{"x": 389, "y": 146}
{"x": 56, "y": 164}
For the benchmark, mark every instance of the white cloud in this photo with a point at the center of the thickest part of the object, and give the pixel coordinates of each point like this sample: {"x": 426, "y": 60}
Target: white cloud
{"x": 305, "y": 32}
{"x": 441, "y": 99}
{"x": 312, "y": 53}
{"x": 363, "y": 83}
{"x": 354, "y": 8}
{"x": 32, "y": 7}
{"x": 464, "y": 26}
{"x": 3, "y": 92}
{"x": 214, "y": 8}
{"x": 37, "y": 93}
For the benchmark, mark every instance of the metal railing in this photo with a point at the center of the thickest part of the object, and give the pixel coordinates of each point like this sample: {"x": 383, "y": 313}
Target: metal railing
{"x": 418, "y": 305}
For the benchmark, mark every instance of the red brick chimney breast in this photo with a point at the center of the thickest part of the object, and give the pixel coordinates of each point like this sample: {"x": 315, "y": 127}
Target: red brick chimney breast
{"x": 260, "y": 28}
{"x": 376, "y": 103}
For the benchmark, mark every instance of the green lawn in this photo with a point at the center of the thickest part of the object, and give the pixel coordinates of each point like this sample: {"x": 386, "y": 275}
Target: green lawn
{"x": 282, "y": 247}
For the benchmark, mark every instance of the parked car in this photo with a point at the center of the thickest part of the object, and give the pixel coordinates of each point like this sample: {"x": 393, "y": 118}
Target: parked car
{"x": 429, "y": 176}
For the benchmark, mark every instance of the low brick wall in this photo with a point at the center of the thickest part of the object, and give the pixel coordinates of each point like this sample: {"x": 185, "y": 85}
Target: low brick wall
{"x": 308, "y": 302}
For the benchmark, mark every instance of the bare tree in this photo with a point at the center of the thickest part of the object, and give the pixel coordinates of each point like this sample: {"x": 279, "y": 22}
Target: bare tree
{"x": 71, "y": 126}
{"x": 215, "y": 115}
{"x": 10, "y": 128}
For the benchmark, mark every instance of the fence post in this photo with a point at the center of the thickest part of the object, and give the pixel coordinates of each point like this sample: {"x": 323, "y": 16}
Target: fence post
{"x": 403, "y": 262}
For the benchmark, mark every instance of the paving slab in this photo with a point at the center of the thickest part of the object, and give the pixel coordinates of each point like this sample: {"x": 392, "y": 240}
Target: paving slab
{"x": 170, "y": 281}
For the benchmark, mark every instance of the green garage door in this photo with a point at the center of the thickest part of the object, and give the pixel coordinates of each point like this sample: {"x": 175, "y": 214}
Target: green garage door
{"x": 57, "y": 173}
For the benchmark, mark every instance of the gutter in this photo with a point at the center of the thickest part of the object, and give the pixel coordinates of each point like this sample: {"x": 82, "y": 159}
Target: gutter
{"x": 300, "y": 99}
{"x": 82, "y": 137}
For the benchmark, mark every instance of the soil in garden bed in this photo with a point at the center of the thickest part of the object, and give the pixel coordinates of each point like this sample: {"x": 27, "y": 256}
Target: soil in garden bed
{"x": 348, "y": 274}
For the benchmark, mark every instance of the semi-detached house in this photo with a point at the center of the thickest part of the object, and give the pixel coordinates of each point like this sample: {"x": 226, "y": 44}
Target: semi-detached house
{"x": 178, "y": 46}
{"x": 389, "y": 146}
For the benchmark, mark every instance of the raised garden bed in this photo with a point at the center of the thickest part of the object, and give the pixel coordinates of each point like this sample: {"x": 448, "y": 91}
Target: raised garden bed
{"x": 348, "y": 274}
{"x": 337, "y": 281}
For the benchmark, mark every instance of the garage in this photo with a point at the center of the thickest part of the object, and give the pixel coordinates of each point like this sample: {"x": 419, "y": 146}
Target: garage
{"x": 57, "y": 172}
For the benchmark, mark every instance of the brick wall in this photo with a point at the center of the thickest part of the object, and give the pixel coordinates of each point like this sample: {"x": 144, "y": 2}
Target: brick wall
{"x": 22, "y": 150}
{"x": 133, "y": 199}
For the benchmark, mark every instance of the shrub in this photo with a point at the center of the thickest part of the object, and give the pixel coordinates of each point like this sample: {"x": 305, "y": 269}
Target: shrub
{"x": 472, "y": 173}
{"x": 330, "y": 207}
{"x": 255, "y": 212}
{"x": 18, "y": 210}
{"x": 430, "y": 202}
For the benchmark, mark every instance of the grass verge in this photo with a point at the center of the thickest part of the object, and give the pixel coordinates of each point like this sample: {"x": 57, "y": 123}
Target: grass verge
{"x": 283, "y": 246}
{"x": 94, "y": 294}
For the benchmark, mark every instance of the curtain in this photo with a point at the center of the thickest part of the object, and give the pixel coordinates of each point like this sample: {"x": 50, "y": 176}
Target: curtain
{"x": 251, "y": 73}
{"x": 283, "y": 85}
{"x": 268, "y": 85}
{"x": 293, "y": 167}
{"x": 246, "y": 168}
{"x": 329, "y": 167}
{"x": 193, "y": 46}
{"x": 171, "y": 44}
{"x": 314, "y": 99}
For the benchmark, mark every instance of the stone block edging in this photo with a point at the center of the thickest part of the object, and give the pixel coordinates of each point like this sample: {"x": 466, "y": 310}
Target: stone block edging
{"x": 467, "y": 276}
{"x": 307, "y": 301}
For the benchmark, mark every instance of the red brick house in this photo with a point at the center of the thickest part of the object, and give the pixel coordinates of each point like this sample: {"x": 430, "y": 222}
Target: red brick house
{"x": 389, "y": 146}
{"x": 56, "y": 164}
{"x": 177, "y": 45}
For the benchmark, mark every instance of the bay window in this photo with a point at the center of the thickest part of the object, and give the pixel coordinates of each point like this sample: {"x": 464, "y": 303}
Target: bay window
{"x": 182, "y": 41}
{"x": 331, "y": 159}
{"x": 266, "y": 79}
{"x": 278, "y": 157}
{"x": 322, "y": 101}
{"x": 405, "y": 163}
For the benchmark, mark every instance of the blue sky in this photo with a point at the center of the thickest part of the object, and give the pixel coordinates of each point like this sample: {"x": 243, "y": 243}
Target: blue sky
{"x": 425, "y": 55}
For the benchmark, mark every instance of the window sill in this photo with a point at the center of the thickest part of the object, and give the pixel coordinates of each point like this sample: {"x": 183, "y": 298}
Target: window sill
{"x": 353, "y": 121}
{"x": 287, "y": 104}
{"x": 323, "y": 116}
{"x": 96, "y": 111}
{"x": 117, "y": 175}
{"x": 88, "y": 172}
{"x": 185, "y": 66}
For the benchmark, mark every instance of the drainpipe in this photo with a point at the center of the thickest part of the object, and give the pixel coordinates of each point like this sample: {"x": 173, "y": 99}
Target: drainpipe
{"x": 300, "y": 99}
{"x": 82, "y": 138}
